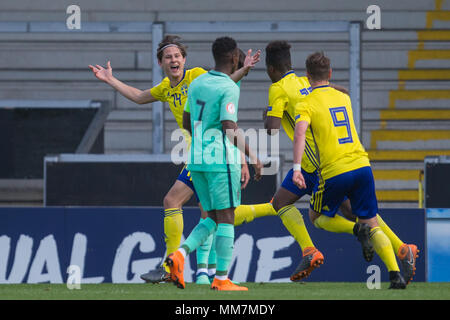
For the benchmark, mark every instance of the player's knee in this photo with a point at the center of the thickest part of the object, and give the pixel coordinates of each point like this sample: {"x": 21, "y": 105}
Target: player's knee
{"x": 170, "y": 201}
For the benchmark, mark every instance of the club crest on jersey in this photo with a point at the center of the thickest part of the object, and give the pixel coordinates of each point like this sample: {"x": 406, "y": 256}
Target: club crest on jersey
{"x": 231, "y": 108}
{"x": 184, "y": 89}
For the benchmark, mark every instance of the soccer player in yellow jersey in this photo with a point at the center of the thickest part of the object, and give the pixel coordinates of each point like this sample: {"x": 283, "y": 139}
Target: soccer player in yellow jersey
{"x": 171, "y": 55}
{"x": 286, "y": 90}
{"x": 344, "y": 167}
{"x": 283, "y": 95}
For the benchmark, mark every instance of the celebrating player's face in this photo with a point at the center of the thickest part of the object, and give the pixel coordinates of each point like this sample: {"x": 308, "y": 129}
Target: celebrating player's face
{"x": 172, "y": 62}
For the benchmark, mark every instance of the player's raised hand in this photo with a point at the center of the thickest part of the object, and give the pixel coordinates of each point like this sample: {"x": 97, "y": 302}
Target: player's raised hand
{"x": 251, "y": 60}
{"x": 103, "y": 74}
{"x": 299, "y": 180}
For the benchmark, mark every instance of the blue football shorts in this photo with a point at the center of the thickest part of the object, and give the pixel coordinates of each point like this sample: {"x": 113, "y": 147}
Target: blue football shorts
{"x": 358, "y": 185}
{"x": 185, "y": 177}
{"x": 311, "y": 180}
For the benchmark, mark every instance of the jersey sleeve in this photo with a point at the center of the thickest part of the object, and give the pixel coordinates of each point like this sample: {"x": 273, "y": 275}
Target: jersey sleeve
{"x": 158, "y": 92}
{"x": 186, "y": 106}
{"x": 303, "y": 112}
{"x": 277, "y": 102}
{"x": 229, "y": 103}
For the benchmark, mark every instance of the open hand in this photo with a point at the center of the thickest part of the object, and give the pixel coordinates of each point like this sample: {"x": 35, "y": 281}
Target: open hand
{"x": 251, "y": 60}
{"x": 102, "y": 73}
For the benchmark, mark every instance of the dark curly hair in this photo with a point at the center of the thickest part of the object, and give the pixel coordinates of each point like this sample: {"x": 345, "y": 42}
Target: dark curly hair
{"x": 223, "y": 49}
{"x": 278, "y": 55}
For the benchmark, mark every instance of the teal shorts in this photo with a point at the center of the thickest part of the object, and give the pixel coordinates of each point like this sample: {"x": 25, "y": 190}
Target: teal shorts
{"x": 217, "y": 190}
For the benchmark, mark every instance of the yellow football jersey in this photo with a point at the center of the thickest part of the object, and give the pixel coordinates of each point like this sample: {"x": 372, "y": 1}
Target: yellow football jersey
{"x": 283, "y": 96}
{"x": 330, "y": 117}
{"x": 176, "y": 96}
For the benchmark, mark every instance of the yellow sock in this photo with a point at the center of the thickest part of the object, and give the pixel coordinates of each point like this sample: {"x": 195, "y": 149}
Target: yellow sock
{"x": 246, "y": 213}
{"x": 383, "y": 248}
{"x": 173, "y": 230}
{"x": 293, "y": 221}
{"x": 336, "y": 224}
{"x": 395, "y": 241}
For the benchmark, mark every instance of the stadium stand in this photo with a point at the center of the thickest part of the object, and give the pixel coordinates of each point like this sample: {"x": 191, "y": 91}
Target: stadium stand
{"x": 405, "y": 72}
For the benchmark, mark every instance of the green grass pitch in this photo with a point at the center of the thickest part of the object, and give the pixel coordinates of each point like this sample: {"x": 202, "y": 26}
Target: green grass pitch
{"x": 257, "y": 291}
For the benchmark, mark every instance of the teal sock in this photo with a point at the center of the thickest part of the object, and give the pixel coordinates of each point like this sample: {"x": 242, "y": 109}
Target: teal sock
{"x": 203, "y": 252}
{"x": 224, "y": 248}
{"x": 199, "y": 235}
{"x": 212, "y": 258}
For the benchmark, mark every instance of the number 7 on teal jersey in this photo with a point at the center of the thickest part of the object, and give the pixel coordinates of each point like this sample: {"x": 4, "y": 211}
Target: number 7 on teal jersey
{"x": 342, "y": 123}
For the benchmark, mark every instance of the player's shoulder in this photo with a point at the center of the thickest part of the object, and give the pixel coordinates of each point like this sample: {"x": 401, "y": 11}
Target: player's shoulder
{"x": 195, "y": 72}
{"x": 307, "y": 102}
{"x": 339, "y": 94}
{"x": 227, "y": 82}
{"x": 304, "y": 81}
{"x": 289, "y": 82}
{"x": 164, "y": 84}
{"x": 230, "y": 86}
{"x": 199, "y": 78}
{"x": 277, "y": 88}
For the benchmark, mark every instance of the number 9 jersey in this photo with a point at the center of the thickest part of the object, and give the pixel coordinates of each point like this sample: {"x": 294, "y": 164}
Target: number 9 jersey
{"x": 330, "y": 117}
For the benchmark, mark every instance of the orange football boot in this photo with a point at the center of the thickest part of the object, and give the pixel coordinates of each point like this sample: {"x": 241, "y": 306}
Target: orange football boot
{"x": 226, "y": 285}
{"x": 175, "y": 261}
{"x": 407, "y": 254}
{"x": 312, "y": 259}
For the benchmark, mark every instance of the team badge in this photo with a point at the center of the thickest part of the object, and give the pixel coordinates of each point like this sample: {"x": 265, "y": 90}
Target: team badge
{"x": 184, "y": 89}
{"x": 231, "y": 108}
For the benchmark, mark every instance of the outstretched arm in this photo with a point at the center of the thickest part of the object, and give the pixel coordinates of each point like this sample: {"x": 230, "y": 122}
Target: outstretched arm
{"x": 134, "y": 94}
{"x": 249, "y": 62}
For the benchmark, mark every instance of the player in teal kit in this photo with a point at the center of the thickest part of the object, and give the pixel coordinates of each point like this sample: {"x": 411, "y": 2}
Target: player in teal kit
{"x": 215, "y": 162}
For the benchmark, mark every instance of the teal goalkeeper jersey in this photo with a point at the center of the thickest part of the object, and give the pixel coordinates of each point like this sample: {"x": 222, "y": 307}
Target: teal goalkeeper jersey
{"x": 212, "y": 98}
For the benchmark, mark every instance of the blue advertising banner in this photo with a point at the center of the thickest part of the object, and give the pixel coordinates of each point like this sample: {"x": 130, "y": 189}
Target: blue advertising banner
{"x": 38, "y": 245}
{"x": 438, "y": 243}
